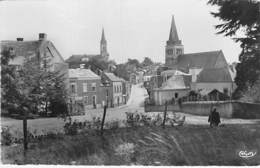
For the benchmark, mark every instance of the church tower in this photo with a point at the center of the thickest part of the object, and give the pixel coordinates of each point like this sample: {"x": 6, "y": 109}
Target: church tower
{"x": 103, "y": 46}
{"x": 173, "y": 47}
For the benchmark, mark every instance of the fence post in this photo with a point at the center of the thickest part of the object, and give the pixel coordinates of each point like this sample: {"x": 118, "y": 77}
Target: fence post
{"x": 103, "y": 119}
{"x": 164, "y": 116}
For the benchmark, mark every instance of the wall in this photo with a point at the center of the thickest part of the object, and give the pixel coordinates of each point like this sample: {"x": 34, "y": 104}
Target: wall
{"x": 160, "y": 96}
{"x": 216, "y": 85}
{"x": 203, "y": 108}
{"x": 227, "y": 109}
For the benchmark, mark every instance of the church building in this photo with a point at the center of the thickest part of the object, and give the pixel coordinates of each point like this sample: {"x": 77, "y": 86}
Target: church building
{"x": 209, "y": 70}
{"x": 201, "y": 72}
{"x": 75, "y": 61}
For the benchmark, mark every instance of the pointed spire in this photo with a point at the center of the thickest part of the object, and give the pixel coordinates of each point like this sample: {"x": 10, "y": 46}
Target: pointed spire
{"x": 103, "y": 39}
{"x": 173, "y": 37}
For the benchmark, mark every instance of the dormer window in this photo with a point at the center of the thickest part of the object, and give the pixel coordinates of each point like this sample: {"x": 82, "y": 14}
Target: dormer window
{"x": 12, "y": 51}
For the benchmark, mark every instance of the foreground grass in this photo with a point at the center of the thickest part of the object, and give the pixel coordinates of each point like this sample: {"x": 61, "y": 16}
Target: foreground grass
{"x": 187, "y": 145}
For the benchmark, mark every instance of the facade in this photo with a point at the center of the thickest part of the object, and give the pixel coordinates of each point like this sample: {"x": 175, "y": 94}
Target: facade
{"x": 175, "y": 87}
{"x": 84, "y": 90}
{"x": 115, "y": 86}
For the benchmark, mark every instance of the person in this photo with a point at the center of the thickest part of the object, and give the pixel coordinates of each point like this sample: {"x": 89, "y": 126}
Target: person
{"x": 214, "y": 117}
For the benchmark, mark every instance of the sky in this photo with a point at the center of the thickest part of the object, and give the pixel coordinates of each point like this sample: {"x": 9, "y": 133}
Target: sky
{"x": 133, "y": 28}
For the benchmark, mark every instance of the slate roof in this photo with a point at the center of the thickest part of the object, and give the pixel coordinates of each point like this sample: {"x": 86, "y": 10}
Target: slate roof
{"x": 174, "y": 83}
{"x": 113, "y": 77}
{"x": 80, "y": 58}
{"x": 201, "y": 60}
{"x": 173, "y": 72}
{"x": 22, "y": 48}
{"x": 214, "y": 75}
{"x": 27, "y": 48}
{"x": 82, "y": 74}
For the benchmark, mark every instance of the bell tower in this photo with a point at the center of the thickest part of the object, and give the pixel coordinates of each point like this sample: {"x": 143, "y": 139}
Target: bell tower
{"x": 173, "y": 47}
{"x": 103, "y": 46}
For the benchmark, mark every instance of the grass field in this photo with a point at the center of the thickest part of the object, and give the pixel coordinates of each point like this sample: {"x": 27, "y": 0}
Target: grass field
{"x": 186, "y": 145}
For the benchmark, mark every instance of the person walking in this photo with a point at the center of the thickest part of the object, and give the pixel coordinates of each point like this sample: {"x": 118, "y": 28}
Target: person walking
{"x": 214, "y": 118}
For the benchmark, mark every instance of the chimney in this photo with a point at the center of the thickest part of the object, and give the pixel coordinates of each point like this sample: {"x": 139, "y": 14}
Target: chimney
{"x": 42, "y": 36}
{"x": 19, "y": 39}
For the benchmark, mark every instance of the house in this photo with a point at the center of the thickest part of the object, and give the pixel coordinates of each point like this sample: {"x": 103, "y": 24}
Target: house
{"x": 114, "y": 86}
{"x": 175, "y": 87}
{"x": 84, "y": 89}
{"x": 41, "y": 48}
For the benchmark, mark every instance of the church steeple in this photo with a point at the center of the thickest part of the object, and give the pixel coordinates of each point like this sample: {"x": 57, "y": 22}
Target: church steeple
{"x": 103, "y": 46}
{"x": 173, "y": 37}
{"x": 103, "y": 39}
{"x": 173, "y": 47}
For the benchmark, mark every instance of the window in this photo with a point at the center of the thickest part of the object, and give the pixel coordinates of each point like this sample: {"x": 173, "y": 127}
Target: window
{"x": 85, "y": 99}
{"x": 176, "y": 95}
{"x": 225, "y": 90}
{"x": 85, "y": 87}
{"x": 115, "y": 89}
{"x": 179, "y": 51}
{"x": 93, "y": 86}
{"x": 73, "y": 88}
{"x": 170, "y": 51}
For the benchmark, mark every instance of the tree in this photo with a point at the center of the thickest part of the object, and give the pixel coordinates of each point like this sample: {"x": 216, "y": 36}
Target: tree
{"x": 147, "y": 61}
{"x": 240, "y": 16}
{"x": 34, "y": 88}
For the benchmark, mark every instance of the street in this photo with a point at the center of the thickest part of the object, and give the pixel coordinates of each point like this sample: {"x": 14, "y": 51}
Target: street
{"x": 134, "y": 104}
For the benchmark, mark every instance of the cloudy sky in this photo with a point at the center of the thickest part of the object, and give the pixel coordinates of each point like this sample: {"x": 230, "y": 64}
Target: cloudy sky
{"x": 133, "y": 28}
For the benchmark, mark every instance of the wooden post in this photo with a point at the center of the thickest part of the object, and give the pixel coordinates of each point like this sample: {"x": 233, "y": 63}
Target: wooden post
{"x": 164, "y": 116}
{"x": 103, "y": 119}
{"x": 25, "y": 142}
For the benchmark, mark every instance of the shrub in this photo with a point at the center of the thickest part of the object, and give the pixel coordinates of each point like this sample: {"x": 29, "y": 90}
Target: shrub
{"x": 6, "y": 136}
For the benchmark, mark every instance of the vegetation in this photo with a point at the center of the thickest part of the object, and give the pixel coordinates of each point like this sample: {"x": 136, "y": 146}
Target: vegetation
{"x": 187, "y": 145}
{"x": 242, "y": 16}
{"x": 32, "y": 87}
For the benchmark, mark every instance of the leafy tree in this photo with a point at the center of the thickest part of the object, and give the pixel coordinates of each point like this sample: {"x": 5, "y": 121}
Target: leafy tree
{"x": 242, "y": 16}
{"x": 133, "y": 62}
{"x": 34, "y": 88}
{"x": 121, "y": 71}
{"x": 147, "y": 61}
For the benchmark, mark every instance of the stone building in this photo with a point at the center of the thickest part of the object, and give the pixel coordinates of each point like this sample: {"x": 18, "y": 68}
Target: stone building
{"x": 201, "y": 66}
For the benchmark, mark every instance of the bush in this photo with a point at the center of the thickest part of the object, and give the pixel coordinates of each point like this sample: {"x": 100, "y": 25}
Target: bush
{"x": 6, "y": 136}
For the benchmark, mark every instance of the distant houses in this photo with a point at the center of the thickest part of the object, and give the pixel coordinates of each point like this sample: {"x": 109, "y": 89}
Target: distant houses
{"x": 96, "y": 71}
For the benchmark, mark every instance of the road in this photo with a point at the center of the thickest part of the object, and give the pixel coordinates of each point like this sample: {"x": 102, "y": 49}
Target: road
{"x": 134, "y": 104}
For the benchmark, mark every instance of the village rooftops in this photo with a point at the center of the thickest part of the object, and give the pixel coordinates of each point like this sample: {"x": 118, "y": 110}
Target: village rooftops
{"x": 173, "y": 72}
{"x": 214, "y": 75}
{"x": 82, "y": 74}
{"x": 175, "y": 82}
{"x": 21, "y": 48}
{"x": 200, "y": 60}
{"x": 113, "y": 78}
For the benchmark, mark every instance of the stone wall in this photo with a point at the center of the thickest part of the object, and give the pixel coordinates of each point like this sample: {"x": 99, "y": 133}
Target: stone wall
{"x": 227, "y": 109}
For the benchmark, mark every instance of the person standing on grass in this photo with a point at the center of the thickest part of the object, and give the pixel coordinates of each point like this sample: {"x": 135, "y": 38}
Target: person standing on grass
{"x": 214, "y": 118}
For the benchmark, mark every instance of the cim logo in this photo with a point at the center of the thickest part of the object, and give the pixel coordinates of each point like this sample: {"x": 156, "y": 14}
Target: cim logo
{"x": 247, "y": 154}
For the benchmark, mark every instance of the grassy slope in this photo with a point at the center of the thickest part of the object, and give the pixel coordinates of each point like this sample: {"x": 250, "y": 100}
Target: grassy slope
{"x": 187, "y": 145}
